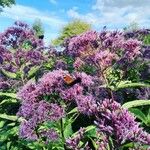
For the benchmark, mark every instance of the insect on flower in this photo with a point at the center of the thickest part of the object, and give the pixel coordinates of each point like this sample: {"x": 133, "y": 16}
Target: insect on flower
{"x": 69, "y": 80}
{"x": 41, "y": 37}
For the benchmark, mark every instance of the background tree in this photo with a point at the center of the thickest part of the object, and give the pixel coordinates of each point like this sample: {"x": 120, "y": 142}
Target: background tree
{"x": 38, "y": 28}
{"x": 6, "y": 3}
{"x": 73, "y": 28}
{"x": 132, "y": 26}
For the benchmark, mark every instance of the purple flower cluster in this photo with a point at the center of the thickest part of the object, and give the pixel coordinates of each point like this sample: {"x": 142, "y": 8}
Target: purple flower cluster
{"x": 137, "y": 34}
{"x": 146, "y": 52}
{"x": 79, "y": 43}
{"x": 86, "y": 104}
{"x": 78, "y": 63}
{"x": 103, "y": 49}
{"x": 112, "y": 40}
{"x": 132, "y": 48}
{"x": 60, "y": 64}
{"x": 27, "y": 130}
{"x": 116, "y": 121}
{"x": 54, "y": 82}
{"x": 71, "y": 93}
{"x": 16, "y": 35}
{"x": 20, "y": 59}
{"x": 8, "y": 84}
{"x": 21, "y": 52}
{"x": 105, "y": 58}
{"x": 36, "y": 109}
{"x": 50, "y": 134}
{"x": 38, "y": 113}
{"x": 102, "y": 141}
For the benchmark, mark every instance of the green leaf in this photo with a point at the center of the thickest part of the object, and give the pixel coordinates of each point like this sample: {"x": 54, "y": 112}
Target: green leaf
{"x": 12, "y": 95}
{"x": 8, "y": 101}
{"x": 91, "y": 131}
{"x": 8, "y": 145}
{"x": 139, "y": 114}
{"x": 73, "y": 111}
{"x": 11, "y": 124}
{"x": 68, "y": 131}
{"x": 131, "y": 144}
{"x": 90, "y": 128}
{"x": 33, "y": 71}
{"x": 2, "y": 123}
{"x": 129, "y": 84}
{"x": 8, "y": 117}
{"x": 9, "y": 74}
{"x": 148, "y": 119}
{"x": 136, "y": 103}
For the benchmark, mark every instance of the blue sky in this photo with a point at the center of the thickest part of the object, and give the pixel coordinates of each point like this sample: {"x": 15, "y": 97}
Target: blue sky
{"x": 54, "y": 14}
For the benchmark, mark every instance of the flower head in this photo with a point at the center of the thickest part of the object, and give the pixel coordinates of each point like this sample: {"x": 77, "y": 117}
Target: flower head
{"x": 120, "y": 123}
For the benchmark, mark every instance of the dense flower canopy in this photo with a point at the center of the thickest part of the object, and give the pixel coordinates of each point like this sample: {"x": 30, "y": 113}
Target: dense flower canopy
{"x": 39, "y": 105}
{"x": 74, "y": 99}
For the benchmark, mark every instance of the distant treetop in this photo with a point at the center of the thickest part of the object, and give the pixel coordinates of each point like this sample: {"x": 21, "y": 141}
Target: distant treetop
{"x": 38, "y": 28}
{"x": 73, "y": 28}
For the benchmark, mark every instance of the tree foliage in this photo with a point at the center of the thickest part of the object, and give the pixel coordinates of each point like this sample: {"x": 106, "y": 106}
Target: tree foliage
{"x": 132, "y": 26}
{"x": 6, "y": 3}
{"x": 73, "y": 28}
{"x": 38, "y": 27}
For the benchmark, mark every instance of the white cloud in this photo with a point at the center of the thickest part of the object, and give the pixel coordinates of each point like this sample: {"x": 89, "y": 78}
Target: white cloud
{"x": 53, "y": 1}
{"x": 20, "y": 12}
{"x": 116, "y": 13}
{"x": 89, "y": 17}
{"x": 120, "y": 4}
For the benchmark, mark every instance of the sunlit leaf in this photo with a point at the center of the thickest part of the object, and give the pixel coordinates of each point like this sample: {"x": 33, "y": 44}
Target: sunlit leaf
{"x": 9, "y": 74}
{"x": 8, "y": 101}
{"x": 129, "y": 84}
{"x": 136, "y": 103}
{"x": 12, "y": 95}
{"x": 8, "y": 117}
{"x": 68, "y": 131}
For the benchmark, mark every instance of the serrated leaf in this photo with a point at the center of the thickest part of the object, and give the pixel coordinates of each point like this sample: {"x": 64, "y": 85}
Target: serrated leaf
{"x": 136, "y": 103}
